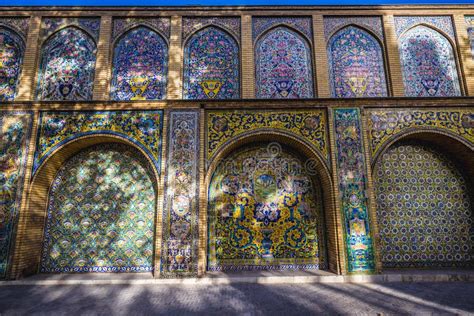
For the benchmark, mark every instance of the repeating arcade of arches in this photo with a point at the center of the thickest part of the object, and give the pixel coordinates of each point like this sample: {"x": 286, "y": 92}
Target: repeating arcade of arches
{"x": 400, "y": 246}
{"x": 90, "y": 46}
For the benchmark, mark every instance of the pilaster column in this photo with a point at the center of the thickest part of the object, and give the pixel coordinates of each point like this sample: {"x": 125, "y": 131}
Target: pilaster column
{"x": 320, "y": 58}
{"x": 394, "y": 66}
{"x": 175, "y": 65}
{"x": 466, "y": 60}
{"x": 27, "y": 80}
{"x": 103, "y": 63}
{"x": 248, "y": 60}
{"x": 351, "y": 179}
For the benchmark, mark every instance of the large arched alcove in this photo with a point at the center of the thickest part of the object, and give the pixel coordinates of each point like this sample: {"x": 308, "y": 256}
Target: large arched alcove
{"x": 270, "y": 206}
{"x": 91, "y": 208}
{"x": 423, "y": 185}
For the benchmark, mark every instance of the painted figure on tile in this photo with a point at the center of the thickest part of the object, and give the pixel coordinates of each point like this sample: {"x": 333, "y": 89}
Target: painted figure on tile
{"x": 101, "y": 213}
{"x": 140, "y": 66}
{"x": 283, "y": 65}
{"x": 67, "y": 66}
{"x": 428, "y": 64}
{"x": 265, "y": 212}
{"x": 356, "y": 64}
{"x": 12, "y": 48}
{"x": 211, "y": 65}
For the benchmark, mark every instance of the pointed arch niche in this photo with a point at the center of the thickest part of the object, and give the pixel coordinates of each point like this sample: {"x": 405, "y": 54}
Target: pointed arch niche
{"x": 140, "y": 65}
{"x": 67, "y": 66}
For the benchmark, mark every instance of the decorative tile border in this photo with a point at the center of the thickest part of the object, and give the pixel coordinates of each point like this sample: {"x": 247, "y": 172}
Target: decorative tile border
{"x": 15, "y": 133}
{"x": 51, "y": 25}
{"x": 302, "y": 24}
{"x": 18, "y": 24}
{"x": 122, "y": 25}
{"x": 143, "y": 128}
{"x": 333, "y": 24}
{"x": 443, "y": 23}
{"x": 383, "y": 125}
{"x": 180, "y": 216}
{"x": 352, "y": 182}
{"x": 222, "y": 126}
{"x": 192, "y": 24}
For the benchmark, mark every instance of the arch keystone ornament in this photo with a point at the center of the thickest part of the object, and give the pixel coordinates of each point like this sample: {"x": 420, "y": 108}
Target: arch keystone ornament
{"x": 352, "y": 182}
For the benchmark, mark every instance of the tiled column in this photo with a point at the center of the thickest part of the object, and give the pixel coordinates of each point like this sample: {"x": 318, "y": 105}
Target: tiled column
{"x": 320, "y": 57}
{"x": 248, "y": 61}
{"x": 103, "y": 63}
{"x": 395, "y": 69}
{"x": 28, "y": 71}
{"x": 351, "y": 171}
{"x": 466, "y": 55}
{"x": 175, "y": 68}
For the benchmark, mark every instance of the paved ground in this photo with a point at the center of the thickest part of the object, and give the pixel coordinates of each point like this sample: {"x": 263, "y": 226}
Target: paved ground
{"x": 246, "y": 299}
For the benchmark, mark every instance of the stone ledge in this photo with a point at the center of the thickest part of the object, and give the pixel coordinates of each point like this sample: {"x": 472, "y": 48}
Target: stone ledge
{"x": 74, "y": 279}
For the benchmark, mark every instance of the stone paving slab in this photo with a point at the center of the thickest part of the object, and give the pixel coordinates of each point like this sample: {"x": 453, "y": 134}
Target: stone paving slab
{"x": 241, "y": 299}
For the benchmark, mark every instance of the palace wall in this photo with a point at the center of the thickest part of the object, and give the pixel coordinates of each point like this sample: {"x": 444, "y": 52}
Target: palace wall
{"x": 183, "y": 141}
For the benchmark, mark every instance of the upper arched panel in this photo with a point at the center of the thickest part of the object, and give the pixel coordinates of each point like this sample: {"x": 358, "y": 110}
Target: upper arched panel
{"x": 428, "y": 63}
{"x": 356, "y": 64}
{"x": 12, "y": 48}
{"x": 283, "y": 65}
{"x": 140, "y": 66}
{"x": 211, "y": 65}
{"x": 67, "y": 66}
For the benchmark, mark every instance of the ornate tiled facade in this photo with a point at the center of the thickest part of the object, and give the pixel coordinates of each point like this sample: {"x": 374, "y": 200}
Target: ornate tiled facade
{"x": 352, "y": 176}
{"x": 427, "y": 56}
{"x": 180, "y": 217}
{"x": 283, "y": 65}
{"x": 15, "y": 130}
{"x": 264, "y": 212}
{"x": 67, "y": 66}
{"x": 142, "y": 128}
{"x": 211, "y": 65}
{"x": 423, "y": 209}
{"x": 176, "y": 142}
{"x": 101, "y": 213}
{"x": 140, "y": 66}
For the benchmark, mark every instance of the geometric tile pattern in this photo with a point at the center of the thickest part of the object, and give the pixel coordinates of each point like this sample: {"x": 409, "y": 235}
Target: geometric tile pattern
{"x": 283, "y": 65}
{"x": 12, "y": 48}
{"x": 15, "y": 132}
{"x": 180, "y": 217}
{"x": 356, "y": 64}
{"x": 101, "y": 213}
{"x": 423, "y": 209}
{"x": 211, "y": 65}
{"x": 264, "y": 212}
{"x": 140, "y": 66}
{"x": 143, "y": 128}
{"x": 352, "y": 181}
{"x": 223, "y": 126}
{"x": 383, "y": 125}
{"x": 67, "y": 66}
